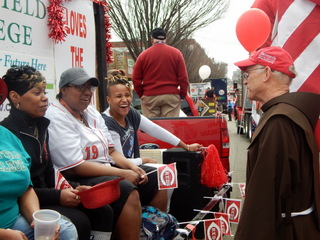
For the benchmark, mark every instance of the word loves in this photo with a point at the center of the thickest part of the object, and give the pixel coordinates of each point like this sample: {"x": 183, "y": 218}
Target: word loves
{"x": 75, "y": 23}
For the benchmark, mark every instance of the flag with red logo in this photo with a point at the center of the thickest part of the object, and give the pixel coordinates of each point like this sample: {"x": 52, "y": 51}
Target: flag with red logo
{"x": 225, "y": 222}
{"x": 242, "y": 187}
{"x": 212, "y": 229}
{"x": 61, "y": 182}
{"x": 167, "y": 176}
{"x": 232, "y": 207}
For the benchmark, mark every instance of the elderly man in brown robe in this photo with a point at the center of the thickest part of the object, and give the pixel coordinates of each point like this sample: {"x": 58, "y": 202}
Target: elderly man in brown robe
{"x": 282, "y": 186}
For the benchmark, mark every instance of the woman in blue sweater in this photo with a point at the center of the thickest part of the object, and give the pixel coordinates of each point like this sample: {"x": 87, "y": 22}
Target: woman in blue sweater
{"x": 17, "y": 196}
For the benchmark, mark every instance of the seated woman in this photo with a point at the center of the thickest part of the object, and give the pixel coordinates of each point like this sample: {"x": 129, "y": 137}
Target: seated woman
{"x": 27, "y": 96}
{"x": 123, "y": 121}
{"x": 17, "y": 197}
{"x": 82, "y": 148}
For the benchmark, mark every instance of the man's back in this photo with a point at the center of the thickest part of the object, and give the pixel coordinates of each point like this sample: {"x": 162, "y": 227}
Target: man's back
{"x": 162, "y": 70}
{"x": 160, "y": 78}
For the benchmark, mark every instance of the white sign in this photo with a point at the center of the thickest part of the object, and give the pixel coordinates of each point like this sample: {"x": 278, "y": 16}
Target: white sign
{"x": 78, "y": 49}
{"x": 199, "y": 89}
{"x": 24, "y": 40}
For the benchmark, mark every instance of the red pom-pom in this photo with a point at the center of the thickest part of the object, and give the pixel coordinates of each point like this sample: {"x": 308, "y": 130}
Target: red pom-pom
{"x": 213, "y": 174}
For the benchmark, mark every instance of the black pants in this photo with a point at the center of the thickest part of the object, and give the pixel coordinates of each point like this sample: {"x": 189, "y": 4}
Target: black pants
{"x": 146, "y": 191}
{"x": 229, "y": 114}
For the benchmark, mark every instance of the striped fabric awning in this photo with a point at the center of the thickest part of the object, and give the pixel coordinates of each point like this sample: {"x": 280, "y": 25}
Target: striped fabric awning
{"x": 296, "y": 28}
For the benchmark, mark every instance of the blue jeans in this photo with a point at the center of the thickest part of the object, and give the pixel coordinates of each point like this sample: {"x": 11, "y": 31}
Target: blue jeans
{"x": 67, "y": 229}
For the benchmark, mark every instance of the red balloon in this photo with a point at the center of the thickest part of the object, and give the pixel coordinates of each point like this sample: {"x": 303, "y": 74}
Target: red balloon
{"x": 253, "y": 28}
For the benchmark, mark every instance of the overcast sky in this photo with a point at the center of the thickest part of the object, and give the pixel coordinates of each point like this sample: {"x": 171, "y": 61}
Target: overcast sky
{"x": 219, "y": 39}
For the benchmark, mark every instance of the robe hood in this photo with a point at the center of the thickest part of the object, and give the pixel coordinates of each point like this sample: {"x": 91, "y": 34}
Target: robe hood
{"x": 308, "y": 103}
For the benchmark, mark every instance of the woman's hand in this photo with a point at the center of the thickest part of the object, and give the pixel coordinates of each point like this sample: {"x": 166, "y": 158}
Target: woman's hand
{"x": 148, "y": 160}
{"x": 10, "y": 234}
{"x": 190, "y": 148}
{"x": 142, "y": 174}
{"x": 194, "y": 147}
{"x": 81, "y": 188}
{"x": 134, "y": 176}
{"x": 57, "y": 233}
{"x": 69, "y": 198}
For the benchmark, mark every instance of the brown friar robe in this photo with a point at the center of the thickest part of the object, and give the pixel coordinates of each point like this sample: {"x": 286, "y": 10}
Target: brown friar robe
{"x": 283, "y": 172}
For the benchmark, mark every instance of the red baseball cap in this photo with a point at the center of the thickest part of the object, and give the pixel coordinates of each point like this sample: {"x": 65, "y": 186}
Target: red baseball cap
{"x": 274, "y": 57}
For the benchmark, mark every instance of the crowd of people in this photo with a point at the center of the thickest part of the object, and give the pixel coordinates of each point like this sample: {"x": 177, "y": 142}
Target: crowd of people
{"x": 89, "y": 147}
{"x": 71, "y": 136}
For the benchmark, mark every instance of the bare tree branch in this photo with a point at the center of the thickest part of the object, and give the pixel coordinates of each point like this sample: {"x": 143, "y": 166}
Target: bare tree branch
{"x": 195, "y": 57}
{"x": 133, "y": 20}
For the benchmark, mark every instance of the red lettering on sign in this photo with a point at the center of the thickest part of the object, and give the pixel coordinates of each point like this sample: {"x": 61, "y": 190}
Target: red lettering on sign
{"x": 77, "y": 56}
{"x": 75, "y": 23}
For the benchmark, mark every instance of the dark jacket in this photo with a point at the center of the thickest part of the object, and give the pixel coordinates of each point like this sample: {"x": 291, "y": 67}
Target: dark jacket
{"x": 42, "y": 172}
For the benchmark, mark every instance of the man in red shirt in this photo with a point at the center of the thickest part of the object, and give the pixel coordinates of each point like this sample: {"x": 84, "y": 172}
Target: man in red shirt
{"x": 160, "y": 78}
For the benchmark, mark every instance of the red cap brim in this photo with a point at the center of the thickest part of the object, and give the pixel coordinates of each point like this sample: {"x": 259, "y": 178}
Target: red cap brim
{"x": 244, "y": 64}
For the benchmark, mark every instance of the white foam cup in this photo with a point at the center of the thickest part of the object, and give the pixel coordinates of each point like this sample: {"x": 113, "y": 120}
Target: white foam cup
{"x": 45, "y": 224}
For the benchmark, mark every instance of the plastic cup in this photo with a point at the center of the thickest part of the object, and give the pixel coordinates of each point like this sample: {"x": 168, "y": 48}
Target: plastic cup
{"x": 45, "y": 224}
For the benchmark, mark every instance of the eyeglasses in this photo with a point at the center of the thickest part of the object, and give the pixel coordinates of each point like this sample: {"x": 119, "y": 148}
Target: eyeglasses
{"x": 83, "y": 88}
{"x": 246, "y": 73}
